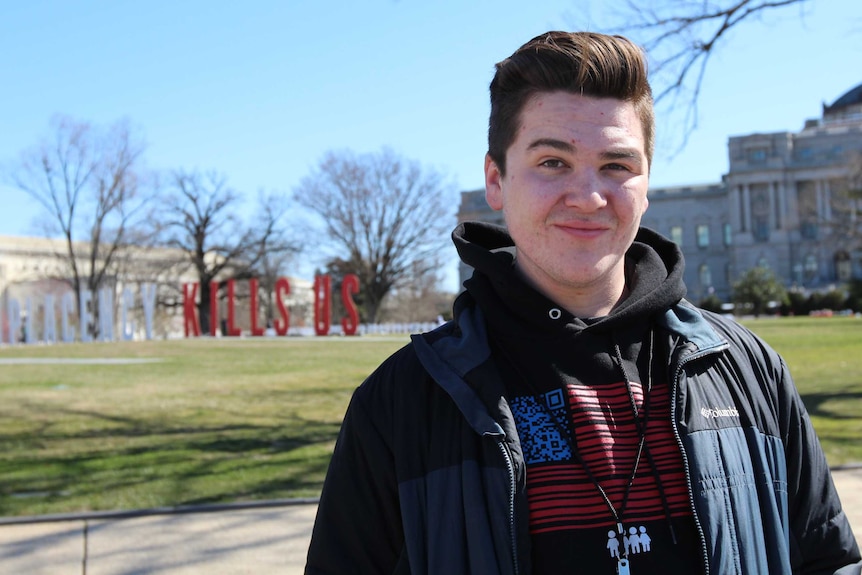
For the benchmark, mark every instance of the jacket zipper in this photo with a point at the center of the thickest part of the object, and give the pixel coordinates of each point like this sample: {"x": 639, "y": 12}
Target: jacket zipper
{"x": 680, "y": 364}
{"x": 512, "y": 491}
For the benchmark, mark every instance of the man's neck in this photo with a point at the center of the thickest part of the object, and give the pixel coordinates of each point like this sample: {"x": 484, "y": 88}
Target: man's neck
{"x": 584, "y": 302}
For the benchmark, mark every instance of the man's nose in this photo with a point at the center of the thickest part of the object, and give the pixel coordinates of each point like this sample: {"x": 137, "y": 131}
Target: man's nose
{"x": 585, "y": 190}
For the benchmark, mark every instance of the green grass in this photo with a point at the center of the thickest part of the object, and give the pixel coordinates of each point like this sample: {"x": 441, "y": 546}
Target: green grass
{"x": 231, "y": 420}
{"x": 825, "y": 360}
{"x": 213, "y": 421}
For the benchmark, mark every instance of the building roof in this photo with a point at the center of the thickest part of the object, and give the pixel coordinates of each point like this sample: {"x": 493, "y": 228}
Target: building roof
{"x": 851, "y": 98}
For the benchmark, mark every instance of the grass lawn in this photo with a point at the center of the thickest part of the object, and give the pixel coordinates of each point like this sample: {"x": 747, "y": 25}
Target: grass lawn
{"x": 217, "y": 420}
{"x": 212, "y": 421}
{"x": 825, "y": 360}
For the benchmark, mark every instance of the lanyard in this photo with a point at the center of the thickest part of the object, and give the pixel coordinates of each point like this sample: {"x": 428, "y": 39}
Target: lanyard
{"x": 640, "y": 419}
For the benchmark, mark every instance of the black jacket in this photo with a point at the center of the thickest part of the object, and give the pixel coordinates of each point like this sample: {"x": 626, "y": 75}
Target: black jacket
{"x": 428, "y": 475}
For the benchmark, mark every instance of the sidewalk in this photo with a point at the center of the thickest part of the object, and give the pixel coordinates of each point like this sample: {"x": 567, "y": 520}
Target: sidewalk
{"x": 848, "y": 482}
{"x": 260, "y": 541}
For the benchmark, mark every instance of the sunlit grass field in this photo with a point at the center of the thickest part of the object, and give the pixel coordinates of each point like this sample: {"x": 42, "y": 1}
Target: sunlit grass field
{"x": 216, "y": 420}
{"x": 212, "y": 421}
{"x": 825, "y": 360}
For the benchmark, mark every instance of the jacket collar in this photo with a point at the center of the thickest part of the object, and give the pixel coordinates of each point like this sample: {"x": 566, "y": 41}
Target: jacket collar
{"x": 449, "y": 358}
{"x": 454, "y": 351}
{"x": 688, "y": 323}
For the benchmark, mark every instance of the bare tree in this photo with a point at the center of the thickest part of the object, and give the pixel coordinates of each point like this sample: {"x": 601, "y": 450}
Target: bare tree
{"x": 420, "y": 299}
{"x": 87, "y": 181}
{"x": 680, "y": 37}
{"x": 275, "y": 246}
{"x": 845, "y": 221}
{"x": 337, "y": 269}
{"x": 200, "y": 217}
{"x": 385, "y": 215}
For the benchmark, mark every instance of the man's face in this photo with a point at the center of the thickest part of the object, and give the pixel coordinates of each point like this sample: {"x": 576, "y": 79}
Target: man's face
{"x": 574, "y": 192}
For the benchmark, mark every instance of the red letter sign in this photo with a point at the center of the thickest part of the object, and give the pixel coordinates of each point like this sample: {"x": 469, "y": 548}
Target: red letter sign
{"x": 231, "y": 308}
{"x": 252, "y": 288}
{"x": 213, "y": 308}
{"x": 282, "y": 289}
{"x": 190, "y": 316}
{"x": 322, "y": 289}
{"x": 349, "y": 286}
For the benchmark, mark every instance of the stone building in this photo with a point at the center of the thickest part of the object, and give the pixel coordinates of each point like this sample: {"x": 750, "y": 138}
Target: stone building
{"x": 783, "y": 204}
{"x": 35, "y": 276}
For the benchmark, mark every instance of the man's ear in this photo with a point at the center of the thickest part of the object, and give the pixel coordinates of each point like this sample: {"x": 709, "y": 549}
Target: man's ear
{"x": 493, "y": 184}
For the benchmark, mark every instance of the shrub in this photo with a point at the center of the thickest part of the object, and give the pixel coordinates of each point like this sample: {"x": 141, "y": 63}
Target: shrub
{"x": 854, "y": 295}
{"x": 711, "y": 303}
{"x": 757, "y": 289}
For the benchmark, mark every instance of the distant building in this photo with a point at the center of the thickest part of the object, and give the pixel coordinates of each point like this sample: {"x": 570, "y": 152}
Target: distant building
{"x": 32, "y": 268}
{"x": 783, "y": 205}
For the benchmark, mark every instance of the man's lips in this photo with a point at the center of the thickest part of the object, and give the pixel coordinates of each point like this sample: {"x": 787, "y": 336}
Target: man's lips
{"x": 586, "y": 229}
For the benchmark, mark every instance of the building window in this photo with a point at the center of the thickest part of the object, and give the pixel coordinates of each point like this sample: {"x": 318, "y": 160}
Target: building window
{"x": 703, "y": 236}
{"x": 757, "y": 155}
{"x": 843, "y": 266}
{"x": 728, "y": 235}
{"x": 760, "y": 208}
{"x": 797, "y": 272}
{"x": 676, "y": 235}
{"x": 811, "y": 267}
{"x": 808, "y": 230}
{"x": 763, "y": 263}
{"x": 705, "y": 276}
{"x": 804, "y": 154}
{"x": 806, "y": 200}
{"x": 837, "y": 152}
{"x": 760, "y": 229}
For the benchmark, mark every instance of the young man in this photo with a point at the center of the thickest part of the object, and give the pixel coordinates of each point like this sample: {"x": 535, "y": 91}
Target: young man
{"x": 577, "y": 416}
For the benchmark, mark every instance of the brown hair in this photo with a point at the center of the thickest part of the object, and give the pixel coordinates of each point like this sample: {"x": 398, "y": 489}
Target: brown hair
{"x": 584, "y": 63}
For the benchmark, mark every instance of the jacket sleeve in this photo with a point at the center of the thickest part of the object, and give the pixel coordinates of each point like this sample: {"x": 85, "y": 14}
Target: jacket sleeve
{"x": 822, "y": 540}
{"x": 358, "y": 524}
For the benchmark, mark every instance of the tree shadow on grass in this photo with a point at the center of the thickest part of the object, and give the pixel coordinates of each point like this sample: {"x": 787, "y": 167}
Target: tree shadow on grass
{"x": 164, "y": 465}
{"x": 814, "y": 403}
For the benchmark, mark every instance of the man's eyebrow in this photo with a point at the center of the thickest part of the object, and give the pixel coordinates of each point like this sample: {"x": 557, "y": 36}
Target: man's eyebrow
{"x": 561, "y": 145}
{"x": 564, "y": 146}
{"x": 622, "y": 154}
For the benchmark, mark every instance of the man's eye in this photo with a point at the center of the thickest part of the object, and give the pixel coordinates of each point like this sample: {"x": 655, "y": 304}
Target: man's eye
{"x": 553, "y": 164}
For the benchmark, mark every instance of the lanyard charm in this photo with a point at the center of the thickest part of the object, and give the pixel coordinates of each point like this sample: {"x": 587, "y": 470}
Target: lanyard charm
{"x": 623, "y": 566}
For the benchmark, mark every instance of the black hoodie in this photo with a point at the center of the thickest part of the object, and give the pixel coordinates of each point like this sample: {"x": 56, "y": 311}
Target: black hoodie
{"x": 579, "y": 422}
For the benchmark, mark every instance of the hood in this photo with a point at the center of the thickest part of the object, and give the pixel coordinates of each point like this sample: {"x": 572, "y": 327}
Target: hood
{"x": 654, "y": 270}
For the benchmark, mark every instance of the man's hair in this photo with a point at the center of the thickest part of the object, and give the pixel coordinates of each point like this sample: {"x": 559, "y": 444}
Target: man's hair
{"x": 583, "y": 63}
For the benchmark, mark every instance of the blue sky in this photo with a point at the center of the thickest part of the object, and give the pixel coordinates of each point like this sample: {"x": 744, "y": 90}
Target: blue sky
{"x": 259, "y": 90}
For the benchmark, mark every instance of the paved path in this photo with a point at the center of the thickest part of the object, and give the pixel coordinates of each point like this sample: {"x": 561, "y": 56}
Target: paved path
{"x": 251, "y": 541}
{"x": 848, "y": 482}
{"x": 263, "y": 541}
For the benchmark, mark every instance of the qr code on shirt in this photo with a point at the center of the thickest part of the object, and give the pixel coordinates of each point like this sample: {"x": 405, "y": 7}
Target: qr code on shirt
{"x": 540, "y": 435}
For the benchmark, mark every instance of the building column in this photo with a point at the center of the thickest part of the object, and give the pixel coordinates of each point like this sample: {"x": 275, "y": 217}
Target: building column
{"x": 773, "y": 205}
{"x": 735, "y": 211}
{"x": 818, "y": 190}
{"x": 792, "y": 200}
{"x": 781, "y": 191}
{"x": 746, "y": 208}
